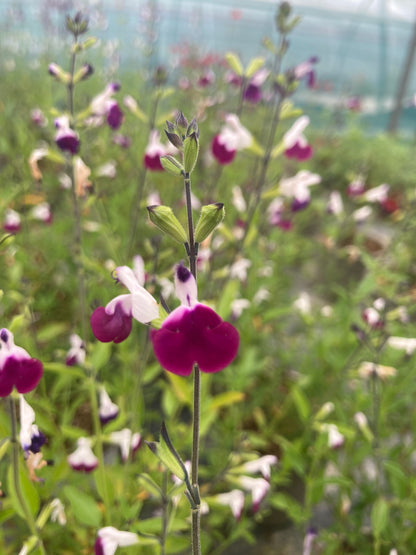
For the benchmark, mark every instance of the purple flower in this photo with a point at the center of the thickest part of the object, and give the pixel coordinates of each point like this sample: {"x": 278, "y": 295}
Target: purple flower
{"x": 17, "y": 368}
{"x": 154, "y": 150}
{"x": 107, "y": 410}
{"x": 103, "y": 105}
{"x": 305, "y": 71}
{"x": 232, "y": 138}
{"x": 193, "y": 333}
{"x": 12, "y": 221}
{"x": 253, "y": 92}
{"x": 114, "y": 321}
{"x": 83, "y": 459}
{"x": 31, "y": 439}
{"x": 296, "y": 145}
{"x": 66, "y": 138}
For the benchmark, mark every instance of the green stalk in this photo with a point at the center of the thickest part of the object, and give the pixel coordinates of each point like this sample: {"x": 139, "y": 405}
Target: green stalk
{"x": 30, "y": 521}
{"x": 195, "y": 513}
{"x": 99, "y": 448}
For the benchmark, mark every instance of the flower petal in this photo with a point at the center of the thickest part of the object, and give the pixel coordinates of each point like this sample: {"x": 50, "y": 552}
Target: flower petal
{"x": 24, "y": 373}
{"x": 196, "y": 335}
{"x": 110, "y": 327}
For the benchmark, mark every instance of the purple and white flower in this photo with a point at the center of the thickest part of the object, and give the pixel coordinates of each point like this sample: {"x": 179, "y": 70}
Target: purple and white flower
{"x": 83, "y": 459}
{"x": 127, "y": 441}
{"x": 193, "y": 333}
{"x": 295, "y": 143}
{"x": 66, "y": 138}
{"x": 232, "y": 138}
{"x": 12, "y": 221}
{"x": 104, "y": 105}
{"x": 114, "y": 321}
{"x": 17, "y": 368}
{"x": 76, "y": 354}
{"x": 31, "y": 439}
{"x": 109, "y": 538}
{"x": 154, "y": 150}
{"x": 107, "y": 410}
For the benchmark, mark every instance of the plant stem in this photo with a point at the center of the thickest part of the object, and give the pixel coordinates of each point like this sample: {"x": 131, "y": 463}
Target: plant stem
{"x": 196, "y": 514}
{"x": 99, "y": 448}
{"x": 77, "y": 215}
{"x": 165, "y": 502}
{"x": 16, "y": 479}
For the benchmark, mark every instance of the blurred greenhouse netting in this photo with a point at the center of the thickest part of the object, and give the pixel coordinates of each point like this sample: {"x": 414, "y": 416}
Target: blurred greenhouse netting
{"x": 362, "y": 45}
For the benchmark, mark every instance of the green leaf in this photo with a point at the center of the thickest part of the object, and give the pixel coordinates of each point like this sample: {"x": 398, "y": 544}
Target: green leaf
{"x": 254, "y": 65}
{"x": 28, "y": 491}
{"x": 226, "y": 399}
{"x": 168, "y": 455}
{"x": 3, "y": 447}
{"x": 301, "y": 403}
{"x": 182, "y": 388}
{"x": 100, "y": 355}
{"x": 60, "y": 368}
{"x": 289, "y": 506}
{"x": 379, "y": 514}
{"x": 84, "y": 507}
{"x": 148, "y": 484}
{"x": 234, "y": 62}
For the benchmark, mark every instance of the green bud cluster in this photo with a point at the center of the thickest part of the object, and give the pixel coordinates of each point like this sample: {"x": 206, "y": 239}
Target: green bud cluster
{"x": 77, "y": 25}
{"x": 185, "y": 137}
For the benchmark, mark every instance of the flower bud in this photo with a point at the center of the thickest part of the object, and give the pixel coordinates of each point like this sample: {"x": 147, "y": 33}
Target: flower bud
{"x": 211, "y": 217}
{"x": 83, "y": 73}
{"x": 164, "y": 218}
{"x": 59, "y": 74}
{"x": 181, "y": 122}
{"x": 171, "y": 165}
{"x": 190, "y": 152}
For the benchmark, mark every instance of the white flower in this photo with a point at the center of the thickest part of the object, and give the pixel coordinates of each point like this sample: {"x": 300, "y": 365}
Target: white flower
{"x": 58, "y": 512}
{"x": 377, "y": 194}
{"x": 238, "y": 305}
{"x": 370, "y": 369}
{"x": 407, "y": 344}
{"x": 335, "y": 438}
{"x": 27, "y": 419}
{"x": 303, "y": 303}
{"x": 83, "y": 458}
{"x": 239, "y": 269}
{"x": 362, "y": 213}
{"x": 238, "y": 200}
{"x": 127, "y": 441}
{"x": 335, "y": 204}
{"x": 298, "y": 186}
{"x": 107, "y": 410}
{"x": 295, "y": 133}
{"x": 234, "y": 499}
{"x": 262, "y": 464}
{"x": 258, "y": 487}
{"x": 109, "y": 538}
{"x": 233, "y": 135}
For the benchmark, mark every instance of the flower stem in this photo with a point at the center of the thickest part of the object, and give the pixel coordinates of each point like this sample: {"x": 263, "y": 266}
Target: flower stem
{"x": 16, "y": 479}
{"x": 196, "y": 514}
{"x": 76, "y": 211}
{"x": 99, "y": 448}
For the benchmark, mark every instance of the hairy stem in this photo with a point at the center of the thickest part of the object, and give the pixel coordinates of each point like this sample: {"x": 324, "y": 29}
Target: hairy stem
{"x": 196, "y": 515}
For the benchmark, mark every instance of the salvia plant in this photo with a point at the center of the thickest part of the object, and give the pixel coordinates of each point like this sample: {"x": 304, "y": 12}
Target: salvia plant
{"x": 198, "y": 372}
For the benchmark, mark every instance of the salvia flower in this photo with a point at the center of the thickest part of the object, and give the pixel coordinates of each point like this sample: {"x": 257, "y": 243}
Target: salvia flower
{"x": 234, "y": 499}
{"x": 66, "y": 138}
{"x": 295, "y": 143}
{"x": 407, "y": 344}
{"x": 127, "y": 441}
{"x": 31, "y": 439}
{"x": 107, "y": 410}
{"x": 104, "y": 106}
{"x": 42, "y": 212}
{"x": 253, "y": 92}
{"x": 58, "y": 512}
{"x": 154, "y": 150}
{"x": 83, "y": 459}
{"x": 38, "y": 117}
{"x": 262, "y": 464}
{"x": 232, "y": 138}
{"x": 76, "y": 354}
{"x": 193, "y": 333}
{"x": 305, "y": 70}
{"x": 297, "y": 188}
{"x": 335, "y": 438}
{"x": 258, "y": 487}
{"x": 109, "y": 538}
{"x": 17, "y": 368}
{"x": 369, "y": 370}
{"x": 12, "y": 221}
{"x": 114, "y": 321}
{"x": 309, "y": 541}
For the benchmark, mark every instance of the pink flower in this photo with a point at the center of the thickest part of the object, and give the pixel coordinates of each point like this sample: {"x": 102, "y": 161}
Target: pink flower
{"x": 258, "y": 487}
{"x": 154, "y": 150}
{"x": 193, "y": 333}
{"x": 42, "y": 212}
{"x": 296, "y": 145}
{"x": 83, "y": 459}
{"x": 262, "y": 464}
{"x": 114, "y": 321}
{"x": 232, "y": 138}
{"x": 17, "y": 368}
